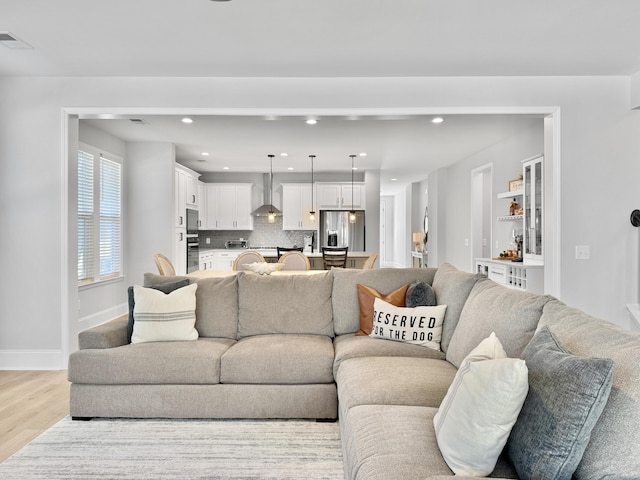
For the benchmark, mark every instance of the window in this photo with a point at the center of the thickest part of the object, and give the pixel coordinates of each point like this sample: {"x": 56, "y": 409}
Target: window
{"x": 99, "y": 216}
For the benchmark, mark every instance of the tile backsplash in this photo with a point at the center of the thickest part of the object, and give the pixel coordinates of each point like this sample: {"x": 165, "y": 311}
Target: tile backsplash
{"x": 264, "y": 234}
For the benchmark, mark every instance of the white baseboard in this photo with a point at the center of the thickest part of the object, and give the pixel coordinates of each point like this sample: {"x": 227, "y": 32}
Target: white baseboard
{"x": 32, "y": 360}
{"x": 103, "y": 316}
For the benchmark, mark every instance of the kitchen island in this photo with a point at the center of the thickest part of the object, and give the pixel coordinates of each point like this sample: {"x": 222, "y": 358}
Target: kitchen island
{"x": 222, "y": 258}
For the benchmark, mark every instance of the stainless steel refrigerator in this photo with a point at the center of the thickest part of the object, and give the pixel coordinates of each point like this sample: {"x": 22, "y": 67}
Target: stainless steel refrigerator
{"x": 337, "y": 231}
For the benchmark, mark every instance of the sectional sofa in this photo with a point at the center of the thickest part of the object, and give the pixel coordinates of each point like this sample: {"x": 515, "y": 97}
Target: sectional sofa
{"x": 287, "y": 347}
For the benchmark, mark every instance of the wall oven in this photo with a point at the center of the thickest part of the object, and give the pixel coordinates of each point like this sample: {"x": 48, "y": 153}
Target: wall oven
{"x": 193, "y": 254}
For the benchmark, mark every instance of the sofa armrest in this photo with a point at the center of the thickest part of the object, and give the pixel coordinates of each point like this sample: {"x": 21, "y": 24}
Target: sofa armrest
{"x": 108, "y": 335}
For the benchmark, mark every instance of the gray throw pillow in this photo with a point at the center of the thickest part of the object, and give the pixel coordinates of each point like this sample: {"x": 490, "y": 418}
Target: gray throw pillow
{"x": 566, "y": 396}
{"x": 163, "y": 287}
{"x": 420, "y": 294}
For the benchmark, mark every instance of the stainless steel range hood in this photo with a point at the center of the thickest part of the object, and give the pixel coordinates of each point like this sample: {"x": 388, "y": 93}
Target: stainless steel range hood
{"x": 264, "y": 210}
{"x": 267, "y": 207}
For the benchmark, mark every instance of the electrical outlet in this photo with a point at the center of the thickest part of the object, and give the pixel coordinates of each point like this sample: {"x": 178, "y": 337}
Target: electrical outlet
{"x": 583, "y": 252}
{"x": 466, "y": 242}
{"x": 208, "y": 241}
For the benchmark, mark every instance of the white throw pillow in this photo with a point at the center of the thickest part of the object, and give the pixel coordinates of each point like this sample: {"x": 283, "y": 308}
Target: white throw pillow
{"x": 161, "y": 317}
{"x": 481, "y": 406}
{"x": 263, "y": 268}
{"x": 417, "y": 325}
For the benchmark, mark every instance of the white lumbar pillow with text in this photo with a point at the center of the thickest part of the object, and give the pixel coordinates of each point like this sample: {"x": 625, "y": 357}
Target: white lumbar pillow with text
{"x": 417, "y": 325}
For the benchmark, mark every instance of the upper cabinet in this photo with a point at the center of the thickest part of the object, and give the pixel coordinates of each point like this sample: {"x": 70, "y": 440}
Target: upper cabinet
{"x": 186, "y": 193}
{"x": 340, "y": 195}
{"x": 533, "y": 203}
{"x": 229, "y": 206}
{"x": 296, "y": 205}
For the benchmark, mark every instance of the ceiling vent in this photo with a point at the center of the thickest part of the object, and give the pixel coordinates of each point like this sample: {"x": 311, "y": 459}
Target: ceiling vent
{"x": 138, "y": 121}
{"x": 9, "y": 40}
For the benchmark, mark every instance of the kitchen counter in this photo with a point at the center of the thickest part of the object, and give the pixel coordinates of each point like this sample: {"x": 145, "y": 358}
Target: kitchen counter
{"x": 221, "y": 259}
{"x": 274, "y": 253}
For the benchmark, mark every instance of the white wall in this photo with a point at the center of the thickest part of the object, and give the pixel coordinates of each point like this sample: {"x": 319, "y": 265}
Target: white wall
{"x": 506, "y": 158}
{"x": 600, "y": 147}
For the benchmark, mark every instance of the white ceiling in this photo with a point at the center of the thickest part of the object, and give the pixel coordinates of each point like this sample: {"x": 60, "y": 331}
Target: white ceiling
{"x": 405, "y": 148}
{"x": 323, "y": 38}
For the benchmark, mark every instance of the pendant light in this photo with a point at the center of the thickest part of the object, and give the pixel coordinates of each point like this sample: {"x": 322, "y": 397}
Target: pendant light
{"x": 312, "y": 213}
{"x": 352, "y": 213}
{"x": 271, "y": 215}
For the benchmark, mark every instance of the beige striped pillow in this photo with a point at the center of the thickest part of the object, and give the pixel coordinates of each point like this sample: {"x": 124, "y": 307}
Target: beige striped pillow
{"x": 161, "y": 317}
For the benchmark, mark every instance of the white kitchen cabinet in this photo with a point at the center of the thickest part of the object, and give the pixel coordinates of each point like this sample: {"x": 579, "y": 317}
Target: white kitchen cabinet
{"x": 533, "y": 203}
{"x": 206, "y": 260}
{"x": 185, "y": 193}
{"x": 202, "y": 206}
{"x": 338, "y": 195}
{"x": 515, "y": 275}
{"x": 223, "y": 260}
{"x": 296, "y": 205}
{"x": 229, "y": 206}
{"x": 180, "y": 251}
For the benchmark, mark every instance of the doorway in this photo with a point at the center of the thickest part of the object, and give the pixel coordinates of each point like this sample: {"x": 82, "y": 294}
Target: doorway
{"x": 481, "y": 205}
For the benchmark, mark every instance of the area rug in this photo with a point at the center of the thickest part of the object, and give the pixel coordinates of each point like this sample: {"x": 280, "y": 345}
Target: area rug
{"x": 126, "y": 449}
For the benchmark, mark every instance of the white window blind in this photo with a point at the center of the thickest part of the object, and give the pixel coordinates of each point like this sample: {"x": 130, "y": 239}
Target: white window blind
{"x": 99, "y": 216}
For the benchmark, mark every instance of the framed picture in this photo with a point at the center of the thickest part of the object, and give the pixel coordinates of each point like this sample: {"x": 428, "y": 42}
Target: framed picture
{"x": 515, "y": 184}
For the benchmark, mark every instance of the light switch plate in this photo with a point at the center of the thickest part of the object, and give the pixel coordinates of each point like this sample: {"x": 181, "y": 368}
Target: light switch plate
{"x": 583, "y": 252}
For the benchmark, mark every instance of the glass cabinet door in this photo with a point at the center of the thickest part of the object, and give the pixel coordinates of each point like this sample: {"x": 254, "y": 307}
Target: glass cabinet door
{"x": 533, "y": 210}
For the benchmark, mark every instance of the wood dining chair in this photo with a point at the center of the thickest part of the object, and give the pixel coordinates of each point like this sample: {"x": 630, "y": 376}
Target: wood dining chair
{"x": 334, "y": 257}
{"x": 250, "y": 256}
{"x": 295, "y": 260}
{"x": 282, "y": 250}
{"x": 165, "y": 267}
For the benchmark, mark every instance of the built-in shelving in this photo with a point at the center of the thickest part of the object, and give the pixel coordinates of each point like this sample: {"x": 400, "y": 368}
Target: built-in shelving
{"x": 515, "y": 193}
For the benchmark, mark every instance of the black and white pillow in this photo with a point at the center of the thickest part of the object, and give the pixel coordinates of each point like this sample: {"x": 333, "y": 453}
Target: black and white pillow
{"x": 418, "y": 325}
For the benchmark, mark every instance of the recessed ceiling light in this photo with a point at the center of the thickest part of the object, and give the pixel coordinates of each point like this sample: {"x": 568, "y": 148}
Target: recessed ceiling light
{"x": 289, "y": 168}
{"x": 437, "y": 120}
{"x": 205, "y": 154}
{"x": 311, "y": 121}
{"x": 284, "y": 154}
{"x": 187, "y": 120}
{"x": 363, "y": 154}
{"x": 225, "y": 168}
{"x": 394, "y": 179}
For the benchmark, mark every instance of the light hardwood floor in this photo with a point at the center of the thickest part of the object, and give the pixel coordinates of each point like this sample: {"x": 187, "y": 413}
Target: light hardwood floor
{"x": 30, "y": 403}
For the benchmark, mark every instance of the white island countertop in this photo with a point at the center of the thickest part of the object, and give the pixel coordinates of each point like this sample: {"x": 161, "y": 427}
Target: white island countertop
{"x": 274, "y": 253}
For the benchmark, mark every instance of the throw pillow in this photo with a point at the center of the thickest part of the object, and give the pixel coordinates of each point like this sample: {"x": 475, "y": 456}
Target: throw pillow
{"x": 163, "y": 287}
{"x": 473, "y": 422}
{"x": 161, "y": 317}
{"x": 566, "y": 397}
{"x": 263, "y": 268}
{"x": 418, "y": 325}
{"x": 420, "y": 294}
{"x": 366, "y": 296}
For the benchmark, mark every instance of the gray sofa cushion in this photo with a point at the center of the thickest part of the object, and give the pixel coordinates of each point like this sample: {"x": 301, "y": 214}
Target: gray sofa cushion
{"x": 452, "y": 288}
{"x": 612, "y": 451}
{"x": 216, "y": 303}
{"x": 566, "y": 396}
{"x": 393, "y": 381}
{"x": 279, "y": 359}
{"x": 298, "y": 304}
{"x": 346, "y": 310}
{"x": 352, "y": 346}
{"x": 196, "y": 362}
{"x": 391, "y": 441}
{"x": 217, "y": 307}
{"x": 513, "y": 315}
